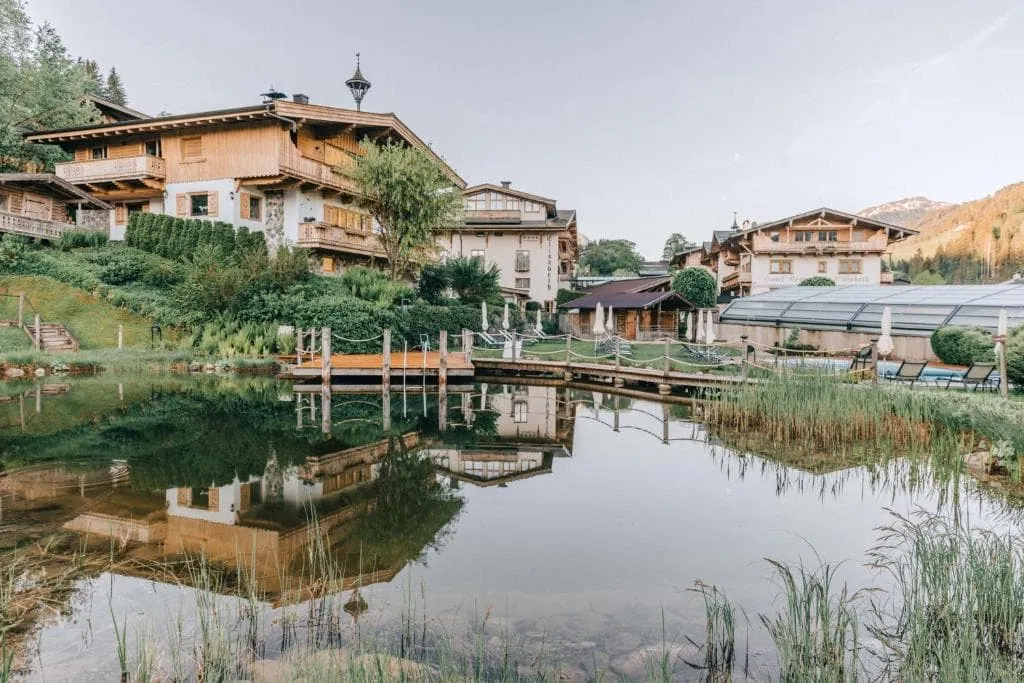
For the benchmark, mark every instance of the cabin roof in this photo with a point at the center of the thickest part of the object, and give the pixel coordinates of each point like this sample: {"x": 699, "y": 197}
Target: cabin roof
{"x": 669, "y": 299}
{"x": 825, "y": 212}
{"x": 50, "y": 184}
{"x": 299, "y": 113}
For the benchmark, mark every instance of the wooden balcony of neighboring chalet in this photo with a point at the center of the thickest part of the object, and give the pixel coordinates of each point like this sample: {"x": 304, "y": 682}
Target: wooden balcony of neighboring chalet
{"x": 27, "y": 226}
{"x": 343, "y": 240}
{"x": 764, "y": 245}
{"x": 101, "y": 176}
{"x": 734, "y": 280}
{"x": 477, "y": 216}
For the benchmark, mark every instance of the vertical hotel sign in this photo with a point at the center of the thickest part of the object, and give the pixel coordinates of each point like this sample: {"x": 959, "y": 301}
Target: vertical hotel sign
{"x": 549, "y": 263}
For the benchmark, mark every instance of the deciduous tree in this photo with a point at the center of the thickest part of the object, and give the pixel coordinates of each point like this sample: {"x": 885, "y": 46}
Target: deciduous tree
{"x": 410, "y": 196}
{"x": 675, "y": 244}
{"x": 697, "y": 286}
{"x": 604, "y": 257}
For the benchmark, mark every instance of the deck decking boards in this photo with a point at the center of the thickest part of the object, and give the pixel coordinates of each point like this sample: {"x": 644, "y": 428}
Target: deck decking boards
{"x": 367, "y": 364}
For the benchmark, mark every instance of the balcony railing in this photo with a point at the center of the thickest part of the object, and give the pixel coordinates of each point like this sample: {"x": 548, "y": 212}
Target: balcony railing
{"x": 332, "y": 238}
{"x": 31, "y": 227}
{"x": 735, "y": 279}
{"x": 764, "y": 245}
{"x": 885, "y": 278}
{"x": 495, "y": 216}
{"x": 298, "y": 166}
{"x": 124, "y": 168}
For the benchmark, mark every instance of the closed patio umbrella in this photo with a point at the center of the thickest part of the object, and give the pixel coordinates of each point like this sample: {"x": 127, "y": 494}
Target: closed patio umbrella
{"x": 709, "y": 334}
{"x": 483, "y": 315}
{"x": 540, "y": 328}
{"x": 610, "y": 323}
{"x": 700, "y": 327}
{"x": 598, "y": 328}
{"x": 504, "y": 318}
{"x": 885, "y": 345}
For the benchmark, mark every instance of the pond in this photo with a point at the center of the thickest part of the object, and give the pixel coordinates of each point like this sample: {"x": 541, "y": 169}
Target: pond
{"x": 564, "y": 526}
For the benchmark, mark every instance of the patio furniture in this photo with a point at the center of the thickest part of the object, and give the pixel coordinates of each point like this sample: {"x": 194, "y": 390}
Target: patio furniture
{"x": 706, "y": 355}
{"x": 491, "y": 341}
{"x": 862, "y": 360}
{"x": 977, "y": 375}
{"x": 908, "y": 371}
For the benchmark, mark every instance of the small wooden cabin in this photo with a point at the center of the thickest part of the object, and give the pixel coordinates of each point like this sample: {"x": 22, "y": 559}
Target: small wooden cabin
{"x": 41, "y": 205}
{"x": 644, "y": 308}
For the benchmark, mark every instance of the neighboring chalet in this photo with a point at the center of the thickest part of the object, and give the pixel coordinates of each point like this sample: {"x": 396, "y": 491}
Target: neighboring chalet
{"x": 843, "y": 247}
{"x": 42, "y": 206}
{"x": 282, "y": 167}
{"x": 643, "y": 308}
{"x": 533, "y": 243}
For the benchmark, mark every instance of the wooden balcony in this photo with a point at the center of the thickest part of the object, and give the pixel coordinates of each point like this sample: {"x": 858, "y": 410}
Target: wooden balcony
{"x": 885, "y": 278}
{"x": 734, "y": 280}
{"x": 316, "y": 173}
{"x": 476, "y": 216}
{"x": 764, "y": 245}
{"x": 345, "y": 240}
{"x": 27, "y": 226}
{"x": 145, "y": 169}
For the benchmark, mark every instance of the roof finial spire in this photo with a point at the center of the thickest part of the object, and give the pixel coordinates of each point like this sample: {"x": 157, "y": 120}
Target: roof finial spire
{"x": 358, "y": 85}
{"x": 735, "y": 224}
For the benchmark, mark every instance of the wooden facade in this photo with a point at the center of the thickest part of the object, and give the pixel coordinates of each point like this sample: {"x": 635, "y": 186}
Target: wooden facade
{"x": 40, "y": 205}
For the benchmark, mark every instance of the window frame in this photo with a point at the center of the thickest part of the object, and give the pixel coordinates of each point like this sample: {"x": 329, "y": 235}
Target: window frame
{"x": 192, "y": 197}
{"x": 822, "y": 267}
{"x": 780, "y": 267}
{"x": 844, "y": 266}
{"x": 522, "y": 261}
{"x": 183, "y": 146}
{"x": 258, "y": 214}
{"x": 478, "y": 253}
{"x": 102, "y": 153}
{"x": 519, "y": 282}
{"x": 157, "y": 148}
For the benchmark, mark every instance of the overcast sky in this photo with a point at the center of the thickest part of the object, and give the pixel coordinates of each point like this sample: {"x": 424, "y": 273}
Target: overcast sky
{"x": 646, "y": 117}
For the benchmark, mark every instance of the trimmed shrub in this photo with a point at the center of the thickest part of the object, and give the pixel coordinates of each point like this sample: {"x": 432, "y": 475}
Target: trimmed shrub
{"x": 181, "y": 238}
{"x": 697, "y": 286}
{"x": 818, "y": 281}
{"x": 960, "y": 345}
{"x": 532, "y": 306}
{"x": 1015, "y": 357}
{"x": 77, "y": 239}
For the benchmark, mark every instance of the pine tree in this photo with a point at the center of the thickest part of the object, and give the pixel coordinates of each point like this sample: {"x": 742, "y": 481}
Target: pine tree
{"x": 95, "y": 85}
{"x": 115, "y": 88}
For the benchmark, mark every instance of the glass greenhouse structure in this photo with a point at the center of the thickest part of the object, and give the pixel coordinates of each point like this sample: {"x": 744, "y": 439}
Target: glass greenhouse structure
{"x": 916, "y": 310}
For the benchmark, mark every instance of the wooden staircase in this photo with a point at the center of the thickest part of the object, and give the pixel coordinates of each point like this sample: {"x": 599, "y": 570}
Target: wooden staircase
{"x": 52, "y": 337}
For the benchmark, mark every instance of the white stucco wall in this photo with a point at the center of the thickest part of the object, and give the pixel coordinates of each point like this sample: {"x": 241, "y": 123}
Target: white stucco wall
{"x": 762, "y": 279}
{"x": 501, "y": 251}
{"x": 227, "y": 206}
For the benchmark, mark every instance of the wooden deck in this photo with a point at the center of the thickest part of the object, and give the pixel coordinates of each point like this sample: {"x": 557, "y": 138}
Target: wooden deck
{"x": 665, "y": 381}
{"x": 372, "y": 365}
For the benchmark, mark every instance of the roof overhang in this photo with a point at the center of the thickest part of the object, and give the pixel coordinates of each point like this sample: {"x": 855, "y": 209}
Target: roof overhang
{"x": 52, "y": 185}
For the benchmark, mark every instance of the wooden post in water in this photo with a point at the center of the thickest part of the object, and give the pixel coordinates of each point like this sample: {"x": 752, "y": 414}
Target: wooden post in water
{"x": 664, "y": 423}
{"x": 442, "y": 370}
{"x": 385, "y": 361}
{"x": 120, "y": 337}
{"x": 442, "y": 380}
{"x": 513, "y": 344}
{"x": 300, "y": 341}
{"x": 39, "y": 398}
{"x": 325, "y": 356}
{"x": 325, "y": 409}
{"x": 615, "y": 408}
{"x": 467, "y": 344}
{"x": 744, "y": 371}
{"x": 39, "y": 334}
{"x": 21, "y": 309}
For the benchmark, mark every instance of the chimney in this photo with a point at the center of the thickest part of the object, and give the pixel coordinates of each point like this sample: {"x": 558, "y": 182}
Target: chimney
{"x": 299, "y": 98}
{"x": 507, "y": 184}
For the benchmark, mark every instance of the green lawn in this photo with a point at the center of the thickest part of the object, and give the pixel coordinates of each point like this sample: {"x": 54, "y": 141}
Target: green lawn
{"x": 643, "y": 354}
{"x": 14, "y": 339}
{"x": 92, "y": 321}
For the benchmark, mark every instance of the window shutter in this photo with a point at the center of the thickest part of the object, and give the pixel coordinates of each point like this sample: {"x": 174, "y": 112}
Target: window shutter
{"x": 191, "y": 148}
{"x": 181, "y": 204}
{"x": 328, "y": 264}
{"x": 184, "y": 496}
{"x": 120, "y": 214}
{"x": 145, "y": 207}
{"x": 245, "y": 206}
{"x": 81, "y": 154}
{"x": 214, "y": 499}
{"x": 212, "y": 203}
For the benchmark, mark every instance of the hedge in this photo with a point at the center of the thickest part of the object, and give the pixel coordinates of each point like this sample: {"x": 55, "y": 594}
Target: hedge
{"x": 1015, "y": 357}
{"x": 179, "y": 238}
{"x": 960, "y": 345}
{"x": 818, "y": 281}
{"x": 361, "y": 322}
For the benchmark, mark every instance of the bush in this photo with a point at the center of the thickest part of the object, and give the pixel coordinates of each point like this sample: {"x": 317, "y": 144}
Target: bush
{"x": 959, "y": 345}
{"x": 1015, "y": 357}
{"x": 124, "y": 268}
{"x": 532, "y": 306}
{"x": 181, "y": 238}
{"x": 564, "y": 296}
{"x": 697, "y": 286}
{"x": 76, "y": 239}
{"x": 818, "y": 281}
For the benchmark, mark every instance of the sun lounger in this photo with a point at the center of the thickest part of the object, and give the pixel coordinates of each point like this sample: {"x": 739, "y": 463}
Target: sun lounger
{"x": 908, "y": 371}
{"x": 862, "y": 360}
{"x": 978, "y": 375}
{"x": 491, "y": 341}
{"x": 706, "y": 355}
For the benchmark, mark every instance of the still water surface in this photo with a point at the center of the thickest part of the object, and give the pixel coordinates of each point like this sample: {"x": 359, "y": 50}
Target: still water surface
{"x": 573, "y": 523}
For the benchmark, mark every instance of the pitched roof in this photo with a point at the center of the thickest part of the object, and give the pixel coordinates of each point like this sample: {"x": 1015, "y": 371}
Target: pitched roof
{"x": 52, "y": 185}
{"x": 825, "y": 211}
{"x": 637, "y": 284}
{"x": 509, "y": 191}
{"x": 562, "y": 221}
{"x": 117, "y": 111}
{"x": 299, "y": 113}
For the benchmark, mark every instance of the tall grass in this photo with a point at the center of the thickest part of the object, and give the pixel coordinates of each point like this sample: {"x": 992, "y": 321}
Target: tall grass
{"x": 826, "y": 418}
